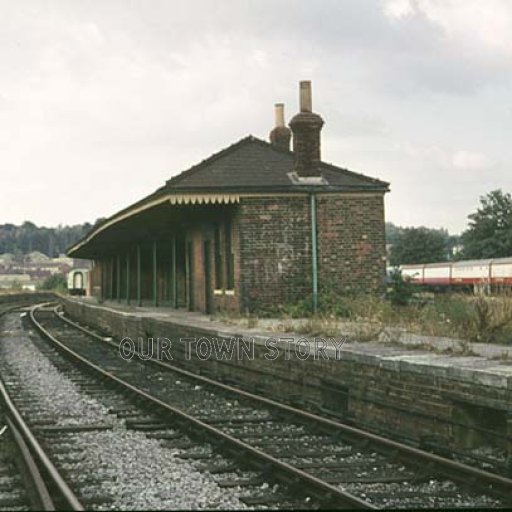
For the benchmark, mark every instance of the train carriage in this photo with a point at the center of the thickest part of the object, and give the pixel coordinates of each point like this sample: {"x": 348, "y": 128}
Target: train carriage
{"x": 78, "y": 281}
{"x": 501, "y": 272}
{"x": 481, "y": 275}
{"x": 413, "y": 272}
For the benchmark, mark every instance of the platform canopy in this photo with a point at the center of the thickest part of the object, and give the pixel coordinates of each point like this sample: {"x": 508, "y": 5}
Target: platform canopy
{"x": 250, "y": 166}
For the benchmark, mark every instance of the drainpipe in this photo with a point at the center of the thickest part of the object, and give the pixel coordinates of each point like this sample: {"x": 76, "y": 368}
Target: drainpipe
{"x": 314, "y": 260}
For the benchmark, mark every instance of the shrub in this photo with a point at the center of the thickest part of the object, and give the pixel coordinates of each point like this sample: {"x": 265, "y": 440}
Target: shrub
{"x": 491, "y": 320}
{"x": 477, "y": 319}
{"x": 56, "y": 282}
{"x": 400, "y": 290}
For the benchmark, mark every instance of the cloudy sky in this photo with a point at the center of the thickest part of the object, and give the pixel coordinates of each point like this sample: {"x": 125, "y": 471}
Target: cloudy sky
{"x": 102, "y": 101}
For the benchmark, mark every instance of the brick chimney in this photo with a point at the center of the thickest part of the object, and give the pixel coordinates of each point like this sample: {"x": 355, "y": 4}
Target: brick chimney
{"x": 280, "y": 135}
{"x": 306, "y": 127}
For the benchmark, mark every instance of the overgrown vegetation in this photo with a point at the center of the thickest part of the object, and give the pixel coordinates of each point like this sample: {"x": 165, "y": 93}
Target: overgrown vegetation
{"x": 466, "y": 318}
{"x": 56, "y": 282}
{"x": 400, "y": 291}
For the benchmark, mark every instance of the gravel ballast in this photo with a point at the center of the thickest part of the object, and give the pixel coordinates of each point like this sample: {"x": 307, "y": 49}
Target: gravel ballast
{"x": 128, "y": 469}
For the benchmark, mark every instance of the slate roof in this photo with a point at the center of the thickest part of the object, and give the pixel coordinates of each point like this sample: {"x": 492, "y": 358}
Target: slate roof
{"x": 252, "y": 164}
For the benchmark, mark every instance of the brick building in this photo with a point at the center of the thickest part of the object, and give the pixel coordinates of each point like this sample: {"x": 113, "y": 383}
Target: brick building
{"x": 252, "y": 226}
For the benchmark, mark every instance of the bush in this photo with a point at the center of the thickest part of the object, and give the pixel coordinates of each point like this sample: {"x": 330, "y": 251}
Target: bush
{"x": 329, "y": 304}
{"x": 400, "y": 290}
{"x": 477, "y": 319}
{"x": 491, "y": 320}
{"x": 468, "y": 318}
{"x": 55, "y": 282}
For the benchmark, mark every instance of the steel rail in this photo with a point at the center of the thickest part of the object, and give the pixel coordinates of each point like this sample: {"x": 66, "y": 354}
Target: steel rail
{"x": 464, "y": 474}
{"x": 38, "y": 493}
{"x": 46, "y": 464}
{"x": 33, "y": 451}
{"x": 289, "y": 473}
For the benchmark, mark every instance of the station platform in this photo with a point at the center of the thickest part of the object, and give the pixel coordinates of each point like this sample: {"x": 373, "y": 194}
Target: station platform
{"x": 484, "y": 362}
{"x": 406, "y": 388}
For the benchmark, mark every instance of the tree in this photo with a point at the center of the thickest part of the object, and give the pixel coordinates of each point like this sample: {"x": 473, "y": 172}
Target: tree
{"x": 28, "y": 237}
{"x": 489, "y": 234}
{"x": 419, "y": 245}
{"x": 393, "y": 233}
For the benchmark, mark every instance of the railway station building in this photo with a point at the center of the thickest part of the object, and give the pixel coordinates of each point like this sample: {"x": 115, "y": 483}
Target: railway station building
{"x": 254, "y": 226}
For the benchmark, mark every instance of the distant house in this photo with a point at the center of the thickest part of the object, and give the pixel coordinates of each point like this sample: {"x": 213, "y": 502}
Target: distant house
{"x": 6, "y": 258}
{"x": 253, "y": 226}
{"x": 35, "y": 266}
{"x": 16, "y": 280}
{"x": 37, "y": 257}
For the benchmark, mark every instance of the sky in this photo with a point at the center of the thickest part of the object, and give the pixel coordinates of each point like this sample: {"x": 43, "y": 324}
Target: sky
{"x": 102, "y": 101}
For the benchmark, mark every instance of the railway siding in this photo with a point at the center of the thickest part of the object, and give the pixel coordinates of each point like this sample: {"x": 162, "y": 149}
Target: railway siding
{"x": 459, "y": 405}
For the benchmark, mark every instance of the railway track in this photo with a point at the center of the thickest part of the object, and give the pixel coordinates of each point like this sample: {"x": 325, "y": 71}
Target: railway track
{"x": 98, "y": 438}
{"x": 335, "y": 464}
{"x": 28, "y": 478}
{"x": 18, "y": 473}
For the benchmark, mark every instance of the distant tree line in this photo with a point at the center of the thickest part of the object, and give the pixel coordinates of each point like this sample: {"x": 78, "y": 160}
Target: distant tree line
{"x": 419, "y": 245}
{"x": 488, "y": 235}
{"x": 50, "y": 241}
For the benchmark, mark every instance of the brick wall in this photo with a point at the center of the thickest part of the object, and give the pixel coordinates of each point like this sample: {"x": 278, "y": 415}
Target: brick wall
{"x": 275, "y": 255}
{"x": 271, "y": 240}
{"x": 275, "y": 250}
{"x": 351, "y": 242}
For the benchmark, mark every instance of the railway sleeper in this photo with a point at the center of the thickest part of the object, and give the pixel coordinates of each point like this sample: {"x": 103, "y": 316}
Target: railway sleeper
{"x": 241, "y": 482}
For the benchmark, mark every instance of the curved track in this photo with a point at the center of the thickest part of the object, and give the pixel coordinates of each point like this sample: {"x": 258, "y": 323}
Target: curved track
{"x": 34, "y": 483}
{"x": 341, "y": 465}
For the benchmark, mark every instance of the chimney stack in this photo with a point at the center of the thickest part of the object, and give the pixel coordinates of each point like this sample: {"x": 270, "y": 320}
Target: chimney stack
{"x": 280, "y": 135}
{"x": 306, "y": 127}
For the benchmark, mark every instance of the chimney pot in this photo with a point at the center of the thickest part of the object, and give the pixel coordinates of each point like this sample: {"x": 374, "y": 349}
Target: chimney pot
{"x": 280, "y": 135}
{"x": 306, "y": 100}
{"x": 279, "y": 112}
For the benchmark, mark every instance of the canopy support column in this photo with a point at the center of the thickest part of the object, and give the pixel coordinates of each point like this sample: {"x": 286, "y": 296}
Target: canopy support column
{"x": 118, "y": 283}
{"x": 155, "y": 276}
{"x": 174, "y": 275}
{"x": 139, "y": 283}
{"x": 127, "y": 278}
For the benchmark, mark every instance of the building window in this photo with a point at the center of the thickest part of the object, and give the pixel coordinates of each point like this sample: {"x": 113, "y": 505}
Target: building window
{"x": 219, "y": 281}
{"x": 230, "y": 257}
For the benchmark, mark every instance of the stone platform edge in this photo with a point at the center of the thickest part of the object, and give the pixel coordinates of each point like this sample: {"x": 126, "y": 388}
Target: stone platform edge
{"x": 472, "y": 369}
